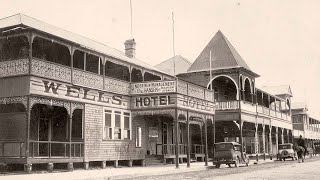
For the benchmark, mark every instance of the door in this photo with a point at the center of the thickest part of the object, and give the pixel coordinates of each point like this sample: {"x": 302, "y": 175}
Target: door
{"x": 165, "y": 138}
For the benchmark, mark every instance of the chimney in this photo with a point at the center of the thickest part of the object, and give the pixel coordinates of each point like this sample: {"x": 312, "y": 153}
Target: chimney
{"x": 130, "y": 48}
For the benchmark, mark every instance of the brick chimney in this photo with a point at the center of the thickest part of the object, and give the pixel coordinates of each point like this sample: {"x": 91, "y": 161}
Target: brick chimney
{"x": 130, "y": 48}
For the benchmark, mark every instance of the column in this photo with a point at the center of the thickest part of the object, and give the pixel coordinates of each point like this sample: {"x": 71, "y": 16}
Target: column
{"x": 282, "y": 137}
{"x": 206, "y": 142}
{"x": 70, "y": 132}
{"x": 241, "y": 137}
{"x": 256, "y": 143}
{"x": 277, "y": 140}
{"x": 270, "y": 142}
{"x": 28, "y": 166}
{"x": 188, "y": 141}
{"x": 264, "y": 141}
{"x": 177, "y": 139}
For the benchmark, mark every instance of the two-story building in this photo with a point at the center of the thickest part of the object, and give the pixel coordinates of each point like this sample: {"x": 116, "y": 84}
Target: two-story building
{"x": 257, "y": 118}
{"x": 305, "y": 125}
{"x": 67, "y": 99}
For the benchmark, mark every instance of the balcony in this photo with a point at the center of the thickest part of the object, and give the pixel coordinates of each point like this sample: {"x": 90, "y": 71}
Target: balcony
{"x": 251, "y": 108}
{"x": 62, "y": 73}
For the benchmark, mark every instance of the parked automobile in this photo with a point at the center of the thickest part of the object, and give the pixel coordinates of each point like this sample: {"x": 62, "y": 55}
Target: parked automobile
{"x": 286, "y": 151}
{"x": 229, "y": 153}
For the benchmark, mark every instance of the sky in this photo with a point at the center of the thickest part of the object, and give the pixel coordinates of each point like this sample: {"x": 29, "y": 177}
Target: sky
{"x": 279, "y": 40}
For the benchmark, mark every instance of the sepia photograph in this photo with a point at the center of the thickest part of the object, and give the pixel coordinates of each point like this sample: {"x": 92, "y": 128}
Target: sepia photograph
{"x": 158, "y": 90}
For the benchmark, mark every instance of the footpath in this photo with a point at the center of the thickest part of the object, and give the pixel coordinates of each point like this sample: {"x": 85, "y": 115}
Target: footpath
{"x": 111, "y": 173}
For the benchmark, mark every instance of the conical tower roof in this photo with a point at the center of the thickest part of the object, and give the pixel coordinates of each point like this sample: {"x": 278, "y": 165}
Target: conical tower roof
{"x": 223, "y": 56}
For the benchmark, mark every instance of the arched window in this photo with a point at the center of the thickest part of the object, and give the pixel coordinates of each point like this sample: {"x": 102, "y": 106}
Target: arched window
{"x": 224, "y": 89}
{"x": 51, "y": 51}
{"x": 13, "y": 48}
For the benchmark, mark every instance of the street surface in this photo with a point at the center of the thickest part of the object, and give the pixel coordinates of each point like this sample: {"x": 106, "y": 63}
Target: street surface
{"x": 274, "y": 170}
{"x": 263, "y": 170}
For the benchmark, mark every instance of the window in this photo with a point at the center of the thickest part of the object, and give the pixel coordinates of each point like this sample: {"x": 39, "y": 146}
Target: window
{"x": 107, "y": 133}
{"x": 126, "y": 132}
{"x": 117, "y": 125}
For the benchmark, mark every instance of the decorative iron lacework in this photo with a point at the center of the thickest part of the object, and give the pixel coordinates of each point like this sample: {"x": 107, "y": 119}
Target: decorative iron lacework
{"x": 13, "y": 68}
{"x": 195, "y": 91}
{"x": 75, "y": 106}
{"x": 112, "y": 85}
{"x": 197, "y": 115}
{"x": 11, "y": 100}
{"x": 50, "y": 70}
{"x": 87, "y": 79}
{"x": 170, "y": 112}
{"x": 50, "y": 102}
{"x": 183, "y": 113}
{"x": 182, "y": 88}
{"x": 208, "y": 95}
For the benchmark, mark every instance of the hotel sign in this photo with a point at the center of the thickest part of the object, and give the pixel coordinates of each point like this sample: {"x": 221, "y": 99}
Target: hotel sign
{"x": 153, "y": 87}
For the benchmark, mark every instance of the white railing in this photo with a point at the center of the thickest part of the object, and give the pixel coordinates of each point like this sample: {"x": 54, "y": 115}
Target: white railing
{"x": 226, "y": 105}
{"x": 248, "y": 106}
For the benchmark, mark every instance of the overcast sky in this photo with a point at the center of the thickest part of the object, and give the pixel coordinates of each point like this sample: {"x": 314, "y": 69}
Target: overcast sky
{"x": 279, "y": 40}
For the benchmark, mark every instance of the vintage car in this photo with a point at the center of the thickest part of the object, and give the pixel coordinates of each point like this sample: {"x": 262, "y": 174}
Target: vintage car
{"x": 286, "y": 151}
{"x": 229, "y": 153}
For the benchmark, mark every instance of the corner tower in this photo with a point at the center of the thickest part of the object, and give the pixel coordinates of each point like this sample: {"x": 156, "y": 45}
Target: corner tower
{"x": 231, "y": 77}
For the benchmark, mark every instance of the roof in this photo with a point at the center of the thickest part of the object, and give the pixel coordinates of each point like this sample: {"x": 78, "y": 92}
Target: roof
{"x": 223, "y": 56}
{"x": 179, "y": 63}
{"x": 21, "y": 19}
{"x": 299, "y": 105}
{"x": 278, "y": 90}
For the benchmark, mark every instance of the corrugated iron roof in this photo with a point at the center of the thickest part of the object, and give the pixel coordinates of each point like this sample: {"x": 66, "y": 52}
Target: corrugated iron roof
{"x": 19, "y": 19}
{"x": 223, "y": 56}
{"x": 179, "y": 63}
{"x": 278, "y": 90}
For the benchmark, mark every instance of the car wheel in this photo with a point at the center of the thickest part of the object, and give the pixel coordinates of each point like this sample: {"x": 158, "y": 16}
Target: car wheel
{"x": 284, "y": 159}
{"x": 217, "y": 165}
{"x": 237, "y": 162}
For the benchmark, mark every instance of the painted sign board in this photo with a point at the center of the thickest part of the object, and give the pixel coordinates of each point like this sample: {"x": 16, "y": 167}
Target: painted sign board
{"x": 153, "y": 101}
{"x": 43, "y": 87}
{"x": 153, "y": 87}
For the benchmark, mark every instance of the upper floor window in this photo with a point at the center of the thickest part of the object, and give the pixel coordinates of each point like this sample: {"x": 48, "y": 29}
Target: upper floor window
{"x": 51, "y": 51}
{"x": 13, "y": 48}
{"x": 151, "y": 77}
{"x": 136, "y": 75}
{"x": 117, "y": 71}
{"x": 117, "y": 124}
{"x": 87, "y": 62}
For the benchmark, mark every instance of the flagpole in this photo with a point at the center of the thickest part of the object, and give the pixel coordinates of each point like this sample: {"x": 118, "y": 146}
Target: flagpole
{"x": 210, "y": 71}
{"x": 131, "y": 18}
{"x": 173, "y": 45}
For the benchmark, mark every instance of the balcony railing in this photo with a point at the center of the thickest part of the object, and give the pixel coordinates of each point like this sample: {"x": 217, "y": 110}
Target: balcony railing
{"x": 170, "y": 149}
{"x": 227, "y": 105}
{"x": 54, "y": 71}
{"x": 54, "y": 149}
{"x": 197, "y": 149}
{"x": 15, "y": 149}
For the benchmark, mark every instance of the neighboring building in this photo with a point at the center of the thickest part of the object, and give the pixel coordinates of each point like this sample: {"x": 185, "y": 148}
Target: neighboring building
{"x": 257, "y": 119}
{"x": 305, "y": 125}
{"x": 175, "y": 65}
